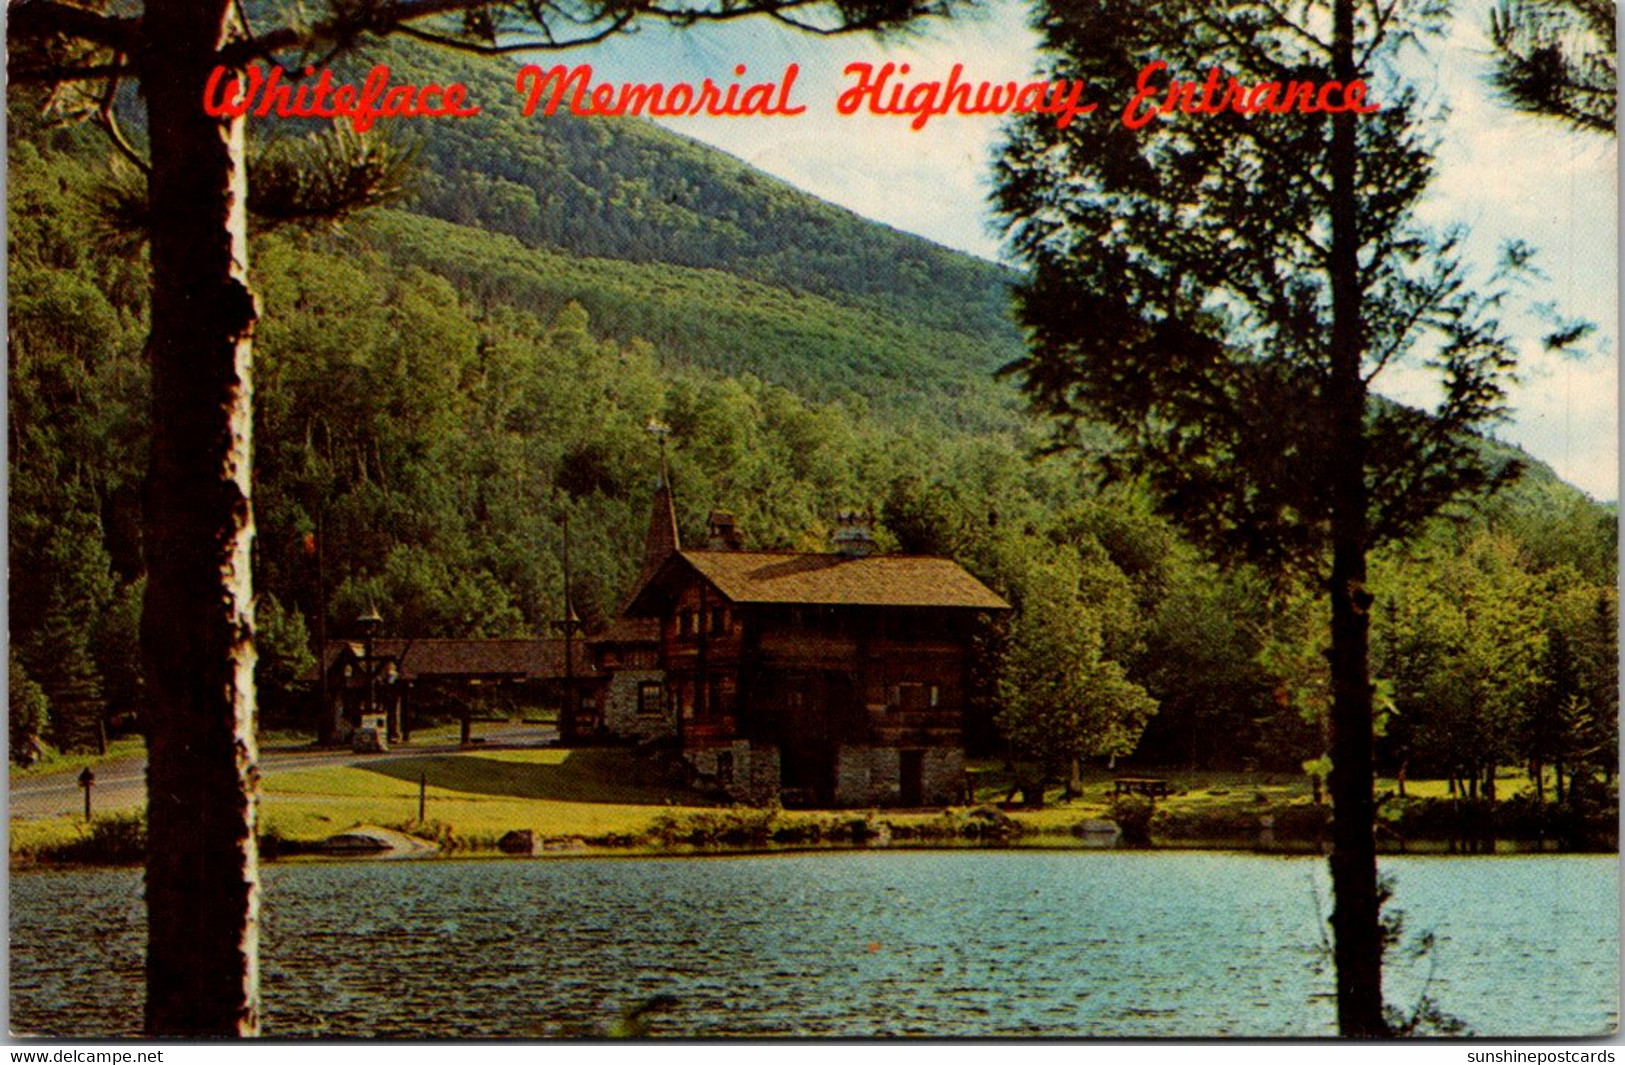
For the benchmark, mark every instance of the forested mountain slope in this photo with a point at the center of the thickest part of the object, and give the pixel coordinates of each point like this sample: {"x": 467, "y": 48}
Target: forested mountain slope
{"x": 822, "y": 347}
{"x": 626, "y": 189}
{"x": 636, "y": 223}
{"x": 439, "y": 383}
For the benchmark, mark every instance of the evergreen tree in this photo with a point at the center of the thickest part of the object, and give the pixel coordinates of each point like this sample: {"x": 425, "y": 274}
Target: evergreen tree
{"x": 58, "y": 652}
{"x": 1559, "y": 58}
{"x": 1223, "y": 289}
{"x": 198, "y": 628}
{"x": 30, "y": 713}
{"x": 116, "y": 648}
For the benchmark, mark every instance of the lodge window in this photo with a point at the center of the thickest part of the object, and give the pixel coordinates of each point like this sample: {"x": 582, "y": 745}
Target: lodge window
{"x": 719, "y": 621}
{"x": 651, "y": 696}
{"x": 685, "y": 623}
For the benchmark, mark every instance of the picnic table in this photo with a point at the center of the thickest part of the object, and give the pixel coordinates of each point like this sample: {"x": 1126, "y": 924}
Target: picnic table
{"x": 1155, "y": 787}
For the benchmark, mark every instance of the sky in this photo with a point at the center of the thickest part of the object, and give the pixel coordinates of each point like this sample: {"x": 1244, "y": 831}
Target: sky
{"x": 1503, "y": 174}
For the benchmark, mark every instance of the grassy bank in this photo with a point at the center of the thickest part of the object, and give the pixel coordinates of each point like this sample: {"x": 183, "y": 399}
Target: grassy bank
{"x": 613, "y": 798}
{"x": 54, "y": 761}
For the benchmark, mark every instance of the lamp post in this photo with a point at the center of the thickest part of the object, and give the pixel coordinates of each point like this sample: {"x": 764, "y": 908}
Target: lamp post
{"x": 87, "y": 780}
{"x": 368, "y": 626}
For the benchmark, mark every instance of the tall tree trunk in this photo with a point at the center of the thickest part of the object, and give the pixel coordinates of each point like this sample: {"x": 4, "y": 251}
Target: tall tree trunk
{"x": 327, "y": 716}
{"x": 197, "y": 628}
{"x": 1355, "y": 920}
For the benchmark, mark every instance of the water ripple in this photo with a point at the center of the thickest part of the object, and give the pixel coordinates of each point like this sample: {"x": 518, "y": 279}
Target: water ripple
{"x": 843, "y": 945}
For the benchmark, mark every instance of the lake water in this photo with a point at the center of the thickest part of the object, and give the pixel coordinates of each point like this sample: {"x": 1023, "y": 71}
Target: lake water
{"x": 1002, "y": 943}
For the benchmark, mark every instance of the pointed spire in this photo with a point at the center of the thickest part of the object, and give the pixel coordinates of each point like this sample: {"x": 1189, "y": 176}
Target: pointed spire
{"x": 662, "y": 540}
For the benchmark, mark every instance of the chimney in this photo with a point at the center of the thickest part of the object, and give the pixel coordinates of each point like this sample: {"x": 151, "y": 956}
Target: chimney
{"x": 725, "y": 534}
{"x": 854, "y": 533}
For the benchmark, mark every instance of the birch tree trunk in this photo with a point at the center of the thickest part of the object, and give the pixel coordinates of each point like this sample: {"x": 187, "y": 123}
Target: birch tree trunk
{"x": 197, "y": 628}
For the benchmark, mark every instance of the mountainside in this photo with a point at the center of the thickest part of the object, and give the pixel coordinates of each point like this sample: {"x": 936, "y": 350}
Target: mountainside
{"x": 884, "y": 361}
{"x": 629, "y": 219}
{"x": 438, "y": 384}
{"x": 627, "y": 189}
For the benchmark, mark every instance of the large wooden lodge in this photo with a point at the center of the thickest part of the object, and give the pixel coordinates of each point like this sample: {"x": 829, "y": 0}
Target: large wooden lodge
{"x": 811, "y": 679}
{"x": 832, "y": 679}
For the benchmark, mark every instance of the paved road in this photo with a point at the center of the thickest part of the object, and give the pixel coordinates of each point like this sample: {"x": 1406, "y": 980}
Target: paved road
{"x": 121, "y": 784}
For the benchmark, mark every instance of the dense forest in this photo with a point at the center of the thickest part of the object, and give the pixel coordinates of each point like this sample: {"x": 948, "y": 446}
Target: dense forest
{"x": 439, "y": 383}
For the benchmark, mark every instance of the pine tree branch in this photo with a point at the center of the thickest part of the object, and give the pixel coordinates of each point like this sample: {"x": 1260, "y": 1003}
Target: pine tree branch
{"x": 107, "y": 120}
{"x": 589, "y": 23}
{"x": 1379, "y": 31}
{"x": 1557, "y": 58}
{"x": 62, "y": 73}
{"x": 550, "y": 44}
{"x": 43, "y": 19}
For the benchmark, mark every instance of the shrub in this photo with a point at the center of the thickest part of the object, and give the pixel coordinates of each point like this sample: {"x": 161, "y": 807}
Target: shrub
{"x": 114, "y": 839}
{"x": 735, "y": 827}
{"x": 1133, "y": 815}
{"x": 1304, "y": 821}
{"x": 798, "y": 832}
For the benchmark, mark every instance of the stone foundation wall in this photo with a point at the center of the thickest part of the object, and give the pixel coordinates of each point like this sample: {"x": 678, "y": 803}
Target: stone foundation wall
{"x": 872, "y": 776}
{"x": 942, "y": 778}
{"x": 867, "y": 776}
{"x": 749, "y": 774}
{"x": 864, "y": 776}
{"x": 621, "y": 715}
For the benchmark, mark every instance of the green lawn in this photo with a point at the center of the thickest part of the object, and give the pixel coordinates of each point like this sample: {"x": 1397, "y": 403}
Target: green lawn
{"x": 472, "y": 798}
{"x": 57, "y": 761}
{"x": 476, "y": 795}
{"x": 27, "y": 836}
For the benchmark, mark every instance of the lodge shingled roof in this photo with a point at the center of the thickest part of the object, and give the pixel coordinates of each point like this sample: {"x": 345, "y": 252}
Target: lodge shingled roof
{"x": 842, "y": 580}
{"x": 627, "y": 630}
{"x": 512, "y": 659}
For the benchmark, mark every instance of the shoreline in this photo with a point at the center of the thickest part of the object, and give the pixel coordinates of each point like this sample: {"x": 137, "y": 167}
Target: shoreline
{"x": 550, "y": 802}
{"x": 572, "y": 848}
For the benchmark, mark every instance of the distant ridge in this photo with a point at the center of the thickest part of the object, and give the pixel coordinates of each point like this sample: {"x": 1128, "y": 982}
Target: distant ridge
{"x": 626, "y": 189}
